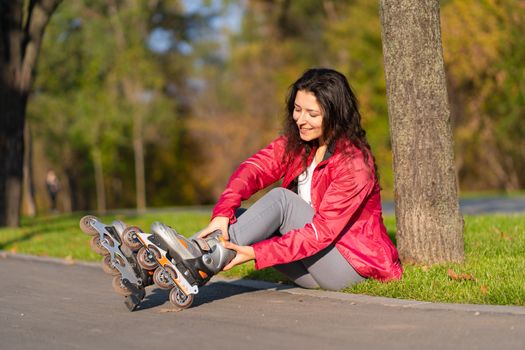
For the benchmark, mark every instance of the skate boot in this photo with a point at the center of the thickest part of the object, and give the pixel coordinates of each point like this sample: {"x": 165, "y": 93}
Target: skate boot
{"x": 119, "y": 260}
{"x": 181, "y": 264}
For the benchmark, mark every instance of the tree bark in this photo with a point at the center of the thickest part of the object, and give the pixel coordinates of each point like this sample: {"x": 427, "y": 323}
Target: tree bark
{"x": 20, "y": 39}
{"x": 73, "y": 202}
{"x": 429, "y": 222}
{"x": 132, "y": 91}
{"x": 99, "y": 180}
{"x": 28, "y": 188}
{"x": 138, "y": 150}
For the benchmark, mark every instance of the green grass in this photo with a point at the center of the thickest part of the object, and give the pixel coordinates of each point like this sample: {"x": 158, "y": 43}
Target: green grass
{"x": 494, "y": 250}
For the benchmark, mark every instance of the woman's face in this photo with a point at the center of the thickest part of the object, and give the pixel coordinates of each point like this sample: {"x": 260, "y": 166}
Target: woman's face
{"x": 308, "y": 116}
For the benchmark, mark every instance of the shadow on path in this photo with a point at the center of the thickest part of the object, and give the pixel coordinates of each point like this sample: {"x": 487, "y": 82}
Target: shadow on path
{"x": 209, "y": 293}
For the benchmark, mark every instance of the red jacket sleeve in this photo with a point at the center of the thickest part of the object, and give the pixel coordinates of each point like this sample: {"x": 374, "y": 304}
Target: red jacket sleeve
{"x": 257, "y": 172}
{"x": 351, "y": 184}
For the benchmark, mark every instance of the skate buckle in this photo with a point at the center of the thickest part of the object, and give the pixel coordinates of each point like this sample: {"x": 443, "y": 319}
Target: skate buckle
{"x": 203, "y": 244}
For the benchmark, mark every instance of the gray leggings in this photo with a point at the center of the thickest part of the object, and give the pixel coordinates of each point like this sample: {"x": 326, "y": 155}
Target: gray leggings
{"x": 279, "y": 212}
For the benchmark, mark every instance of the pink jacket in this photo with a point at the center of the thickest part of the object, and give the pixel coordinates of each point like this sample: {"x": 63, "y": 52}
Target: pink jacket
{"x": 345, "y": 197}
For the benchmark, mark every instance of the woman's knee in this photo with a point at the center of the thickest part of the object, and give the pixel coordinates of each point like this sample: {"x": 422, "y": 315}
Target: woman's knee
{"x": 277, "y": 192}
{"x": 282, "y": 195}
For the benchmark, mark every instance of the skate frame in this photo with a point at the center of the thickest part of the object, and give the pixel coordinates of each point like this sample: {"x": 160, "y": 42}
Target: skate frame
{"x": 179, "y": 282}
{"x": 113, "y": 249}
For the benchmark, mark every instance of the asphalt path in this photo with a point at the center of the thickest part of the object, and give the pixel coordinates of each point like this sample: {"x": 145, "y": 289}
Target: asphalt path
{"x": 483, "y": 205}
{"x": 52, "y": 304}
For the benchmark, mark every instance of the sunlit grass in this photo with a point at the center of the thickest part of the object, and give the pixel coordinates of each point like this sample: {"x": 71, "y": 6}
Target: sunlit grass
{"x": 493, "y": 272}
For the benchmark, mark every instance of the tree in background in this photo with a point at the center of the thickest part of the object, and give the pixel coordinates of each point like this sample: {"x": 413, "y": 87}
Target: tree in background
{"x": 74, "y": 109}
{"x": 428, "y": 220}
{"x": 353, "y": 46}
{"x": 279, "y": 39}
{"x": 212, "y": 93}
{"x": 484, "y": 55}
{"x": 114, "y": 98}
{"x": 276, "y": 42}
{"x": 22, "y": 25}
{"x": 234, "y": 113}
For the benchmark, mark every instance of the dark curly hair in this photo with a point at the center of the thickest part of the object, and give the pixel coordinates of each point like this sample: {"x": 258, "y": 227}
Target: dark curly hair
{"x": 340, "y": 110}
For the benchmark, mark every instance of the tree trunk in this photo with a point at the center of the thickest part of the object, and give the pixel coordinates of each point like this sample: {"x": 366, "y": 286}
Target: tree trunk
{"x": 29, "y": 188}
{"x": 21, "y": 32}
{"x": 132, "y": 91}
{"x": 99, "y": 180}
{"x": 11, "y": 148}
{"x": 429, "y": 222}
{"x": 71, "y": 183}
{"x": 140, "y": 175}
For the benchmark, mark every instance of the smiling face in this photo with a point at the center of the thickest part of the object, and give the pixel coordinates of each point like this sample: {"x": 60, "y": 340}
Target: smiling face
{"x": 308, "y": 116}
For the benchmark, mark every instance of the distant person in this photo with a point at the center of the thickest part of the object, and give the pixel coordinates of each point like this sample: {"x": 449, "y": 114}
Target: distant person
{"x": 53, "y": 186}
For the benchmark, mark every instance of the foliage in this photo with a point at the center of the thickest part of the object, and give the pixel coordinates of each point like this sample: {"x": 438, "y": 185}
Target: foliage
{"x": 109, "y": 85}
{"x": 354, "y": 46}
{"x": 277, "y": 42}
{"x": 484, "y": 55}
{"x": 212, "y": 94}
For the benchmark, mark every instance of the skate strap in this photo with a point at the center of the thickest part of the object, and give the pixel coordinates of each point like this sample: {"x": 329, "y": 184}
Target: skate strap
{"x": 203, "y": 244}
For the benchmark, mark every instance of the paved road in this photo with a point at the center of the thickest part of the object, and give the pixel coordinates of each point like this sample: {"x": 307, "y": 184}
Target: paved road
{"x": 49, "y": 305}
{"x": 474, "y": 206}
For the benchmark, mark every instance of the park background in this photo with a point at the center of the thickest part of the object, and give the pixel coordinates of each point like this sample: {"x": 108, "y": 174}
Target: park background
{"x": 155, "y": 103}
{"x": 151, "y": 104}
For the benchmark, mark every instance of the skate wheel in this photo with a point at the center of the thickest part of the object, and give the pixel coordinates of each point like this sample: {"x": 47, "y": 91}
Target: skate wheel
{"x": 179, "y": 299}
{"x": 109, "y": 267}
{"x": 97, "y": 247}
{"x": 160, "y": 279}
{"x": 146, "y": 259}
{"x": 119, "y": 287}
{"x": 128, "y": 238}
{"x": 85, "y": 225}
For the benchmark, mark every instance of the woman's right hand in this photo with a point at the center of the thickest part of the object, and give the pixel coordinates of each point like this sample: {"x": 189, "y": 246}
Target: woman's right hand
{"x": 217, "y": 223}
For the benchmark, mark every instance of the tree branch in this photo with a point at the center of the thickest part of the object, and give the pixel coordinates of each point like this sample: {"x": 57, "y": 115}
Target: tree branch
{"x": 11, "y": 24}
{"x": 39, "y": 13}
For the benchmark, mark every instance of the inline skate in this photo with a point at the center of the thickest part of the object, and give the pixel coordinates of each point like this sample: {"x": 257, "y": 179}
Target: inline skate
{"x": 119, "y": 260}
{"x": 180, "y": 264}
{"x": 163, "y": 257}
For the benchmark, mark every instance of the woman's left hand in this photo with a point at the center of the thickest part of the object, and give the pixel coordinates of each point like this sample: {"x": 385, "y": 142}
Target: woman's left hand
{"x": 244, "y": 254}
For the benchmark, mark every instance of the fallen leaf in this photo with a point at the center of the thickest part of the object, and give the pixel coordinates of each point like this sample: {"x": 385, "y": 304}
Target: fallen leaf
{"x": 169, "y": 310}
{"x": 503, "y": 235}
{"x": 69, "y": 260}
{"x": 484, "y": 289}
{"x": 460, "y": 277}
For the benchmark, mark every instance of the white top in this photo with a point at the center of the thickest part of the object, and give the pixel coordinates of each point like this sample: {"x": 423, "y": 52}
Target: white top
{"x": 304, "y": 183}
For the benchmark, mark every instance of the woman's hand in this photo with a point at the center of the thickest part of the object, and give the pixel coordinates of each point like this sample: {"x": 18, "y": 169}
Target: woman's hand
{"x": 217, "y": 223}
{"x": 244, "y": 254}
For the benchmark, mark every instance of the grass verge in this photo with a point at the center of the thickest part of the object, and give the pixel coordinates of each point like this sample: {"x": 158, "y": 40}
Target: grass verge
{"x": 493, "y": 272}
